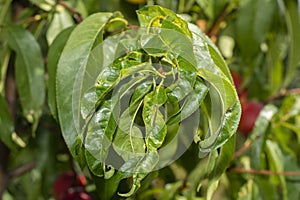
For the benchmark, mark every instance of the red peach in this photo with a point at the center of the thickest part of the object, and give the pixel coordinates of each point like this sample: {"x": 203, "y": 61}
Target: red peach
{"x": 250, "y": 112}
{"x": 238, "y": 81}
{"x": 65, "y": 181}
{"x": 77, "y": 195}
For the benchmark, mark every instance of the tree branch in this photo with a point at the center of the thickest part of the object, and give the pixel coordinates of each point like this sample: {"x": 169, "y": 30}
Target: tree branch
{"x": 283, "y": 93}
{"x": 22, "y": 169}
{"x": 244, "y": 148}
{"x": 264, "y": 172}
{"x": 76, "y": 14}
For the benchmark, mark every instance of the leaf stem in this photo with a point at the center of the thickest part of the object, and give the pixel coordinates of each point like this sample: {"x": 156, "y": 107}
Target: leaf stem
{"x": 22, "y": 169}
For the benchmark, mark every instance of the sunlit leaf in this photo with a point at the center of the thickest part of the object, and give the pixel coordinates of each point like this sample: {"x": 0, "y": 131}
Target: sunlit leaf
{"x": 53, "y": 56}
{"x": 46, "y": 5}
{"x": 67, "y": 73}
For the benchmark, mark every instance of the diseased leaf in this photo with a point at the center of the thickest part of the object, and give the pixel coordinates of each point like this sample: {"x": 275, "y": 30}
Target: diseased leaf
{"x": 191, "y": 103}
{"x": 163, "y": 18}
{"x": 29, "y": 72}
{"x": 128, "y": 141}
{"x": 133, "y": 103}
{"x": 156, "y": 129}
{"x": 141, "y": 165}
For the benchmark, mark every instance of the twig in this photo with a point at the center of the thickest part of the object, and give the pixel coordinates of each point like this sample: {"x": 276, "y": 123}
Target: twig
{"x": 283, "y": 93}
{"x": 32, "y": 19}
{"x": 22, "y": 169}
{"x": 76, "y": 14}
{"x": 244, "y": 148}
{"x": 265, "y": 172}
{"x": 213, "y": 31}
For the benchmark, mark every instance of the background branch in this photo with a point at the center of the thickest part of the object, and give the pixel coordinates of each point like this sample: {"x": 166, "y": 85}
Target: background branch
{"x": 264, "y": 172}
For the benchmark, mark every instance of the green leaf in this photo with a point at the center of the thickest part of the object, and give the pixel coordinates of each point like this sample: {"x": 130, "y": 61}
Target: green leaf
{"x": 60, "y": 20}
{"x": 4, "y": 57}
{"x": 135, "y": 101}
{"x": 222, "y": 107}
{"x": 293, "y": 26}
{"x": 102, "y": 128}
{"x": 191, "y": 103}
{"x": 259, "y": 134}
{"x": 158, "y": 16}
{"x": 54, "y": 53}
{"x": 221, "y": 164}
{"x": 141, "y": 165}
{"x": 29, "y": 72}
{"x": 253, "y": 22}
{"x": 169, "y": 43}
{"x": 276, "y": 162}
{"x": 275, "y": 68}
{"x": 171, "y": 190}
{"x": 106, "y": 188}
{"x": 5, "y": 7}
{"x": 225, "y": 158}
{"x": 266, "y": 190}
{"x": 72, "y": 63}
{"x": 156, "y": 129}
{"x": 46, "y": 5}
{"x": 6, "y": 125}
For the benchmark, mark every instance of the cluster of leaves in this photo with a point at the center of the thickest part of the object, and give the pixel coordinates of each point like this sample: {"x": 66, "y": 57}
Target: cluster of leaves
{"x": 148, "y": 69}
{"x": 167, "y": 73}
